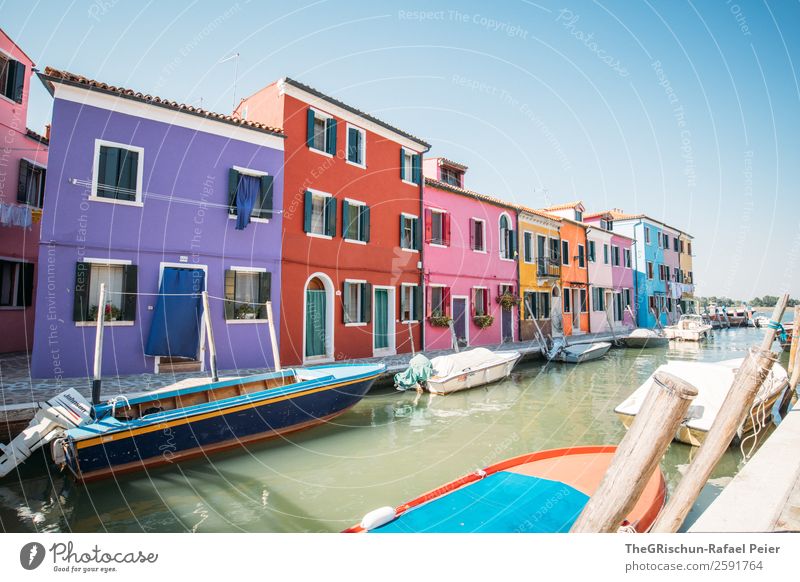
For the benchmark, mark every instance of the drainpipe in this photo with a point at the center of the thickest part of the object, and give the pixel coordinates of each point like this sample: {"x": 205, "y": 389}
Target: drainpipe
{"x": 636, "y": 277}
{"x": 519, "y": 281}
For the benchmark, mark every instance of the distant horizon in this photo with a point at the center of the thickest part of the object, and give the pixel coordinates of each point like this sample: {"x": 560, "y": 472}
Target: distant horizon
{"x": 684, "y": 113}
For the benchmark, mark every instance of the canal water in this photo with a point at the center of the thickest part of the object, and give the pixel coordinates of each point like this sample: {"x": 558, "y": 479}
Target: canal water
{"x": 390, "y": 448}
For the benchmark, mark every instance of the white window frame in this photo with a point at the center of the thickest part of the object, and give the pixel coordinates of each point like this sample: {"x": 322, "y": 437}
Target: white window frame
{"x": 17, "y": 272}
{"x": 358, "y": 283}
{"x": 619, "y": 257}
{"x": 565, "y": 256}
{"x": 412, "y": 217}
{"x": 486, "y": 292}
{"x": 354, "y": 241}
{"x": 98, "y": 143}
{"x": 363, "y": 132}
{"x": 255, "y": 174}
{"x": 441, "y": 286}
{"x": 324, "y": 215}
{"x": 326, "y": 116}
{"x": 38, "y": 166}
{"x": 442, "y": 213}
{"x": 534, "y": 246}
{"x": 408, "y": 288}
{"x": 408, "y": 166}
{"x": 585, "y": 260}
{"x": 10, "y": 57}
{"x": 483, "y": 235}
{"x": 626, "y": 258}
{"x": 239, "y": 269}
{"x": 109, "y": 263}
{"x": 502, "y": 243}
{"x": 647, "y": 235}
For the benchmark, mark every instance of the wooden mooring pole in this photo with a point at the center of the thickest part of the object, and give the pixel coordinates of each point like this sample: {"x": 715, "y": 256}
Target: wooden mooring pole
{"x": 98, "y": 346}
{"x": 795, "y": 340}
{"x": 276, "y": 356}
{"x": 638, "y": 455}
{"x": 735, "y": 407}
{"x": 212, "y": 346}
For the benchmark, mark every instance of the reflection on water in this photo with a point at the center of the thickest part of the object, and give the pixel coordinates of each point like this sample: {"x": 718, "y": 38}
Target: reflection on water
{"x": 390, "y": 448}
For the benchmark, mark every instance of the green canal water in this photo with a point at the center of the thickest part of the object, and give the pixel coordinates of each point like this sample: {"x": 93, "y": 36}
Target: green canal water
{"x": 388, "y": 449}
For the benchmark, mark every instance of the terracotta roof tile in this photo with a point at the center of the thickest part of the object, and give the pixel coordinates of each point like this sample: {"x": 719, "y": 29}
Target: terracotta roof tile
{"x": 541, "y": 213}
{"x": 564, "y": 206}
{"x": 448, "y": 162}
{"x": 52, "y": 75}
{"x": 471, "y": 193}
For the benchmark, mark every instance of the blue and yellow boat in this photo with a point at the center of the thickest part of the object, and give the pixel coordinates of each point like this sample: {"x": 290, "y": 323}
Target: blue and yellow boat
{"x": 167, "y": 427}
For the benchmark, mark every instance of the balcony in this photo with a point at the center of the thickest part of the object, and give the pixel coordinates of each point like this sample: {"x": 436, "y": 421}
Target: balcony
{"x": 548, "y": 267}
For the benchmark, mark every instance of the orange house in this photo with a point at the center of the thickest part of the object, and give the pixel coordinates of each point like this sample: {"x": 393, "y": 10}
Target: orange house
{"x": 574, "y": 267}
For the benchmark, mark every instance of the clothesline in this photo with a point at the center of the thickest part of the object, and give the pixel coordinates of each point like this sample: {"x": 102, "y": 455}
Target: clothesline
{"x": 198, "y": 294}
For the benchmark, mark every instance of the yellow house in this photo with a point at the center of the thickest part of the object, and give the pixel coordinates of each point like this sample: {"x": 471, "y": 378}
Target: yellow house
{"x": 688, "y": 303}
{"x": 539, "y": 272}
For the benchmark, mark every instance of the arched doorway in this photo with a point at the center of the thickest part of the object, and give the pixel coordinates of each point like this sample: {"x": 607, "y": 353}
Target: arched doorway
{"x": 318, "y": 318}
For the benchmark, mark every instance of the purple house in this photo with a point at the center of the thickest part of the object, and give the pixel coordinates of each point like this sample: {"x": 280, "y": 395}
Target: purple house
{"x": 159, "y": 201}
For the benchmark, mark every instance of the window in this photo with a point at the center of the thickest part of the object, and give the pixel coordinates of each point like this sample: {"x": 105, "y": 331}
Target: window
{"x": 477, "y": 234}
{"x": 121, "y": 287}
{"x": 541, "y": 305}
{"x": 321, "y": 132}
{"x": 437, "y": 227}
{"x": 355, "y": 221}
{"x": 320, "y": 214}
{"x": 578, "y": 215}
{"x": 683, "y": 247}
{"x": 356, "y": 296}
{"x": 527, "y": 246}
{"x": 584, "y": 307}
{"x": 675, "y": 244}
{"x": 507, "y": 239}
{"x": 409, "y": 232}
{"x": 614, "y": 256}
{"x": 439, "y": 301}
{"x": 409, "y": 166}
{"x": 592, "y": 256}
{"x": 12, "y": 78}
{"x": 689, "y": 248}
{"x": 567, "y": 300}
{"x": 554, "y": 246}
{"x": 627, "y": 255}
{"x": 652, "y": 302}
{"x": 410, "y": 303}
{"x": 356, "y": 146}
{"x": 30, "y": 189}
{"x": 606, "y": 224}
{"x": 480, "y": 301}
{"x": 605, "y": 254}
{"x": 598, "y": 299}
{"x": 647, "y": 235}
{"x": 565, "y": 252}
{"x": 450, "y": 176}
{"x": 618, "y": 306}
{"x": 665, "y": 239}
{"x": 581, "y": 257}
{"x": 117, "y": 172}
{"x": 246, "y": 293}
{"x": 649, "y": 270}
{"x": 249, "y": 189}
{"x": 16, "y": 283}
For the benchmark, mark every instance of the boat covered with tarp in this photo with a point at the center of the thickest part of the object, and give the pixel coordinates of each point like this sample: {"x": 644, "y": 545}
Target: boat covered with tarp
{"x": 460, "y": 371}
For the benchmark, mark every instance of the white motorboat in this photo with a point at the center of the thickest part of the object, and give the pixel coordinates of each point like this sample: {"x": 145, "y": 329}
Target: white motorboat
{"x": 469, "y": 369}
{"x": 579, "y": 353}
{"x": 713, "y": 380}
{"x": 689, "y": 328}
{"x": 645, "y": 338}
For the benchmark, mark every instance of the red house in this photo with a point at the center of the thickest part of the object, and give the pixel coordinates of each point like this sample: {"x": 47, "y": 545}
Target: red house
{"x": 351, "y": 268}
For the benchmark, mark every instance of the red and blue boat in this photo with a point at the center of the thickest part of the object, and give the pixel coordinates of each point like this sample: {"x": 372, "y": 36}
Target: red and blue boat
{"x": 160, "y": 428}
{"x": 542, "y": 492}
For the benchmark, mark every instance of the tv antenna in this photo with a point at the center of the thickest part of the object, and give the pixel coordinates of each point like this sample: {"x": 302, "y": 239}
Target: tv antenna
{"x": 235, "y": 74}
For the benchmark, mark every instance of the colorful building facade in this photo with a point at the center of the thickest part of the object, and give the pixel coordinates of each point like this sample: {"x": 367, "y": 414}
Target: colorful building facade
{"x": 601, "y": 282}
{"x": 23, "y": 167}
{"x": 351, "y": 263}
{"x": 158, "y": 201}
{"x": 574, "y": 267}
{"x": 688, "y": 303}
{"x": 470, "y": 261}
{"x": 670, "y": 240}
{"x": 539, "y": 273}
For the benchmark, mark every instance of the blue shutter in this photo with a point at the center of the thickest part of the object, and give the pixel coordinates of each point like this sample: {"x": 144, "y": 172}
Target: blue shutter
{"x": 366, "y": 302}
{"x": 415, "y": 172}
{"x": 345, "y": 219}
{"x": 417, "y": 233}
{"x": 402, "y": 164}
{"x": 310, "y": 128}
{"x": 402, "y": 238}
{"x": 330, "y": 210}
{"x": 233, "y": 186}
{"x": 307, "y": 211}
{"x": 330, "y": 128}
{"x": 265, "y": 208}
{"x": 364, "y": 217}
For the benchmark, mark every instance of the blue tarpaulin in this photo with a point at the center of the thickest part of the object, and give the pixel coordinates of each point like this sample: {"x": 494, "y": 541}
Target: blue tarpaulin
{"x": 246, "y": 195}
{"x": 175, "y": 330}
{"x": 503, "y": 502}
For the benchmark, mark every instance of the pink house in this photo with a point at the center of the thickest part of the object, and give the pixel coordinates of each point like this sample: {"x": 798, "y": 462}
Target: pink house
{"x": 470, "y": 260}
{"x": 610, "y": 274}
{"x": 23, "y": 163}
{"x": 670, "y": 241}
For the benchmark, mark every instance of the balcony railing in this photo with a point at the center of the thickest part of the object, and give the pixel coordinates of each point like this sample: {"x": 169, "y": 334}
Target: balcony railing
{"x": 547, "y": 267}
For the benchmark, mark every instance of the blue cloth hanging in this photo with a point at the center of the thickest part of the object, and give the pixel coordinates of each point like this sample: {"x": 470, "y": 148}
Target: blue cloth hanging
{"x": 175, "y": 330}
{"x": 246, "y": 195}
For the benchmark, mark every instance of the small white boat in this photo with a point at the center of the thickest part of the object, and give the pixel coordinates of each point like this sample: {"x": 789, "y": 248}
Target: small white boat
{"x": 645, "y": 338}
{"x": 713, "y": 380}
{"x": 689, "y": 328}
{"x": 469, "y": 369}
{"x": 761, "y": 321}
{"x": 579, "y": 353}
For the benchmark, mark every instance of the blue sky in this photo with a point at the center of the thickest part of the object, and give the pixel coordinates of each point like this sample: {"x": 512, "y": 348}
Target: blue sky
{"x": 682, "y": 110}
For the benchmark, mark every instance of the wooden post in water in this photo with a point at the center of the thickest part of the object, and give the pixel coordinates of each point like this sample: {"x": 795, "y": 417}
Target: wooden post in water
{"x": 735, "y": 407}
{"x": 98, "y": 346}
{"x": 795, "y": 340}
{"x": 637, "y": 455}
{"x": 411, "y": 338}
{"x": 276, "y": 356}
{"x": 212, "y": 346}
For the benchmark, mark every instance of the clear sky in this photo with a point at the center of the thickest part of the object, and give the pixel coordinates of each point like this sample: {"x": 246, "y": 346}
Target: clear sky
{"x": 686, "y": 111}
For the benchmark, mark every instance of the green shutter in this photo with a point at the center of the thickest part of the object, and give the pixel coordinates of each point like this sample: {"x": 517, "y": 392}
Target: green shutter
{"x": 330, "y": 129}
{"x": 307, "y": 209}
{"x": 265, "y": 209}
{"x": 80, "y": 308}
{"x": 310, "y": 128}
{"x": 230, "y": 293}
{"x": 402, "y": 228}
{"x": 345, "y": 302}
{"x": 418, "y": 303}
{"x": 415, "y": 171}
{"x": 330, "y": 211}
{"x": 130, "y": 287}
{"x": 22, "y": 184}
{"x": 233, "y": 186}
{"x": 403, "y": 301}
{"x": 417, "y": 233}
{"x": 366, "y": 302}
{"x": 364, "y": 218}
{"x": 402, "y": 164}
{"x": 264, "y": 294}
{"x": 346, "y": 222}
{"x": 513, "y": 238}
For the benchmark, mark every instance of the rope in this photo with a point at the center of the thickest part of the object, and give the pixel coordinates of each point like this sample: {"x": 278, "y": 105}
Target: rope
{"x": 779, "y": 328}
{"x": 116, "y": 400}
{"x": 195, "y": 295}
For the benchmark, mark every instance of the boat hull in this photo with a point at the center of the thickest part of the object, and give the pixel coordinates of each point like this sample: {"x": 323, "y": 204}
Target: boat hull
{"x": 645, "y": 342}
{"x": 180, "y": 439}
{"x": 596, "y": 352}
{"x": 687, "y": 335}
{"x": 473, "y": 378}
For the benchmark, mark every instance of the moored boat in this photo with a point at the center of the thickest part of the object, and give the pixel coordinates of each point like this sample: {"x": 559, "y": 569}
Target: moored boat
{"x": 641, "y": 338}
{"x": 542, "y": 492}
{"x": 579, "y": 353}
{"x": 470, "y": 369}
{"x": 688, "y": 328}
{"x": 713, "y": 380}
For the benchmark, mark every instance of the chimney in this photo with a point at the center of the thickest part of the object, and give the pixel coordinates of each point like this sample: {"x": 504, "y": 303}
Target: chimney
{"x": 47, "y": 132}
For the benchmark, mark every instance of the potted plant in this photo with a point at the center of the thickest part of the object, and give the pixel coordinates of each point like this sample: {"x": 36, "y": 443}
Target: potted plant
{"x": 508, "y": 301}
{"x": 245, "y": 311}
{"x": 440, "y": 320}
{"x": 483, "y": 321}
{"x": 110, "y": 313}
